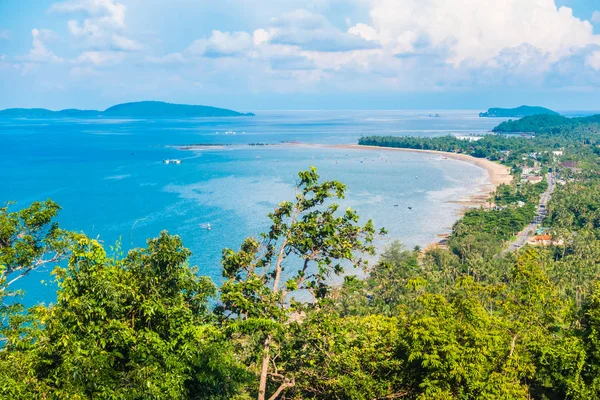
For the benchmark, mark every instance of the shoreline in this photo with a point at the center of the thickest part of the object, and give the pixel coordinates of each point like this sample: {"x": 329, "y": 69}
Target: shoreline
{"x": 498, "y": 174}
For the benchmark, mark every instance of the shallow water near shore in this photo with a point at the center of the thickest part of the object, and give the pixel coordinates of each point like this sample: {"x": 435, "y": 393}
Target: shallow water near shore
{"x": 109, "y": 177}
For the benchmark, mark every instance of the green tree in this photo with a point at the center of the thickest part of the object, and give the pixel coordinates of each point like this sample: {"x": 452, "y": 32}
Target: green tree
{"x": 307, "y": 245}
{"x": 29, "y": 239}
{"x": 345, "y": 358}
{"x": 134, "y": 328}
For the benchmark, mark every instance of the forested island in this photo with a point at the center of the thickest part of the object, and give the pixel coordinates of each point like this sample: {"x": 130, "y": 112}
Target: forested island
{"x": 470, "y": 319}
{"x": 518, "y": 112}
{"x": 142, "y": 109}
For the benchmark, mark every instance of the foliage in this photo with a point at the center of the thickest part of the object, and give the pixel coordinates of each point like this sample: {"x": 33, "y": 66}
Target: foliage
{"x": 137, "y": 327}
{"x": 317, "y": 243}
{"x": 465, "y": 321}
{"x": 547, "y": 123}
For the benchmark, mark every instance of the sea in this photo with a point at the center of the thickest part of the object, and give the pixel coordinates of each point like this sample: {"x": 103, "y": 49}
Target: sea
{"x": 111, "y": 181}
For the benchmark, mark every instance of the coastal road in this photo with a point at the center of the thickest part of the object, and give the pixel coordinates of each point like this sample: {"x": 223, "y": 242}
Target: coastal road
{"x": 526, "y": 234}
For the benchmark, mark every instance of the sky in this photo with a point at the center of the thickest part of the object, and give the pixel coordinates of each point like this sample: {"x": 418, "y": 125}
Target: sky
{"x": 311, "y": 54}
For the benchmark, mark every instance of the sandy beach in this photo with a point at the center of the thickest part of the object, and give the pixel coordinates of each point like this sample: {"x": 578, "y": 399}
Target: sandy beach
{"x": 498, "y": 174}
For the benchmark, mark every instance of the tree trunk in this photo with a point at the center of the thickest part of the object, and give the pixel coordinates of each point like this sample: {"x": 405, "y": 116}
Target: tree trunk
{"x": 262, "y": 387}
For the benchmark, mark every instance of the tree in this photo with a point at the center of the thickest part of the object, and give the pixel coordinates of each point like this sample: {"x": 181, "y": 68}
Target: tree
{"x": 345, "y": 358}
{"x": 136, "y": 327}
{"x": 290, "y": 270}
{"x": 29, "y": 239}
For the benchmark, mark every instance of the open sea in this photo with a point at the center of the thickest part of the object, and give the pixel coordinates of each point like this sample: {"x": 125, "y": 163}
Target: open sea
{"x": 110, "y": 179}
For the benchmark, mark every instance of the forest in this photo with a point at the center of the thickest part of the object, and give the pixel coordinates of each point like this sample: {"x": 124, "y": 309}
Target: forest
{"x": 468, "y": 320}
{"x": 548, "y": 123}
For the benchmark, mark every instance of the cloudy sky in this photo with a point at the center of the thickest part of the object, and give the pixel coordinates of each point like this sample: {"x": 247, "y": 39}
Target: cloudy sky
{"x": 311, "y": 54}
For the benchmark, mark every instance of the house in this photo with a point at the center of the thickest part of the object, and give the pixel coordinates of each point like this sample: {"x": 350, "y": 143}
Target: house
{"x": 470, "y": 138}
{"x": 531, "y": 170}
{"x": 532, "y": 179}
{"x": 558, "y": 153}
{"x": 572, "y": 165}
{"x": 544, "y": 240}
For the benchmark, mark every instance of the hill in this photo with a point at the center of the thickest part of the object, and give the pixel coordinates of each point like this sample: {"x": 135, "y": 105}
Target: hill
{"x": 519, "y": 112}
{"x": 157, "y": 109}
{"x": 552, "y": 124}
{"x": 142, "y": 109}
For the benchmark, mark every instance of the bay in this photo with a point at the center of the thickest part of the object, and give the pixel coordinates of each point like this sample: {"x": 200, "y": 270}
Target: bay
{"x": 110, "y": 179}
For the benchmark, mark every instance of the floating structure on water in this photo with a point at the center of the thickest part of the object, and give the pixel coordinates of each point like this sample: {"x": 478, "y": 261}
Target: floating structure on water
{"x": 174, "y": 161}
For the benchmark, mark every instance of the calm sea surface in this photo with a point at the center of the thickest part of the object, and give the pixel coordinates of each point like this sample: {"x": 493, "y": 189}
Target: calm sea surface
{"x": 109, "y": 177}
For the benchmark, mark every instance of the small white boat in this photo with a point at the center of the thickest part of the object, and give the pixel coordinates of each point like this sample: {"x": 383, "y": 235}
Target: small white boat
{"x": 175, "y": 161}
{"x": 205, "y": 226}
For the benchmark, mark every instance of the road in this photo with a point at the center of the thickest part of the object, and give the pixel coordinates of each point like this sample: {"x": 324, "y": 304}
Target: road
{"x": 526, "y": 234}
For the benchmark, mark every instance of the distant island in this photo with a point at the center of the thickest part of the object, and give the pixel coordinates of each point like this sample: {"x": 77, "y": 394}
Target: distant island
{"x": 141, "y": 109}
{"x": 519, "y": 112}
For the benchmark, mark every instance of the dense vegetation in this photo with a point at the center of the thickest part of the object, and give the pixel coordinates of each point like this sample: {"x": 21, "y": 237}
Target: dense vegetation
{"x": 464, "y": 321}
{"x": 518, "y": 112}
{"x": 551, "y": 124}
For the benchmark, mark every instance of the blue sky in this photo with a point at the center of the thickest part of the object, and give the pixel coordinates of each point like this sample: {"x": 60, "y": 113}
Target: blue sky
{"x": 291, "y": 54}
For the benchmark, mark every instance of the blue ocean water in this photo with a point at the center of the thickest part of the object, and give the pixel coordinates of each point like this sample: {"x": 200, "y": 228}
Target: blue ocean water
{"x": 109, "y": 177}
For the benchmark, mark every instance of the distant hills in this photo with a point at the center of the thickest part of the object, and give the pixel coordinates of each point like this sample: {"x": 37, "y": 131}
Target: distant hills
{"x": 551, "y": 124}
{"x": 519, "y": 112}
{"x": 141, "y": 109}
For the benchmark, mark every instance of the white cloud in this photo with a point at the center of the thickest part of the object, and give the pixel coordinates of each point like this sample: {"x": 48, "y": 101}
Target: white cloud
{"x": 103, "y": 25}
{"x": 261, "y": 36}
{"x": 479, "y": 29}
{"x": 364, "y": 31}
{"x": 222, "y": 44}
{"x": 593, "y": 60}
{"x": 109, "y": 9}
{"x": 337, "y": 46}
{"x": 311, "y": 31}
{"x": 39, "y": 51}
{"x": 100, "y": 57}
{"x": 173, "y": 58}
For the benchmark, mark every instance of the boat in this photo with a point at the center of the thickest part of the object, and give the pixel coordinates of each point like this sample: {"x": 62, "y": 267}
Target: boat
{"x": 230, "y": 133}
{"x": 174, "y": 161}
{"x": 208, "y": 227}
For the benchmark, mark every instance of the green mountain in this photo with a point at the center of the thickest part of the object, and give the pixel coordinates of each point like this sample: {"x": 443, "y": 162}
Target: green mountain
{"x": 142, "y": 109}
{"x": 553, "y": 124}
{"x": 519, "y": 112}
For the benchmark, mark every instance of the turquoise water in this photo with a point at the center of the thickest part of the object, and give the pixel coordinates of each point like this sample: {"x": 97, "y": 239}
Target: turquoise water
{"x": 109, "y": 177}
